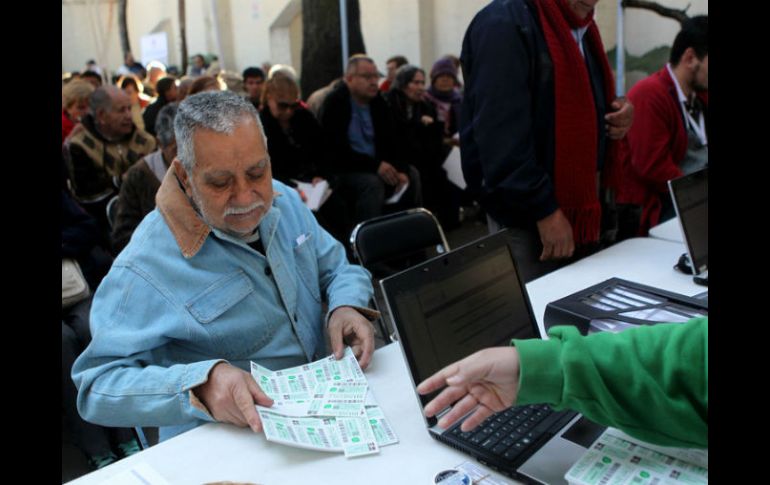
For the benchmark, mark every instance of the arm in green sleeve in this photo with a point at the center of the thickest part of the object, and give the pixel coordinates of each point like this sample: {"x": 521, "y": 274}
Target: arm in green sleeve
{"x": 651, "y": 382}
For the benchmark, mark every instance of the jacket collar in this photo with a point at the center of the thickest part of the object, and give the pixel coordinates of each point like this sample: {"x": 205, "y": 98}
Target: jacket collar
{"x": 184, "y": 222}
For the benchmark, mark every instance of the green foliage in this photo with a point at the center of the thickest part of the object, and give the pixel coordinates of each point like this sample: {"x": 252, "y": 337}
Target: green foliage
{"x": 649, "y": 62}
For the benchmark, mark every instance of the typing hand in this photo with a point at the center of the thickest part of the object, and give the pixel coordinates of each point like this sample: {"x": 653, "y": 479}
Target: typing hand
{"x": 488, "y": 379}
{"x": 230, "y": 395}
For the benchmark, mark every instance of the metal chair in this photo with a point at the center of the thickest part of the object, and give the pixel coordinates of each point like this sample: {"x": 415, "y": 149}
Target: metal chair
{"x": 394, "y": 242}
{"x": 112, "y": 210}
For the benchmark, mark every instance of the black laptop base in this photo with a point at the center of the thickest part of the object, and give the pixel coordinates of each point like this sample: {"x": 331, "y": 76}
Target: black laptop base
{"x": 507, "y": 439}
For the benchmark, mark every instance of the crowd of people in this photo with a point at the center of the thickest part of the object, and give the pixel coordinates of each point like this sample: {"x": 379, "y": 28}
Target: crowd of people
{"x": 548, "y": 150}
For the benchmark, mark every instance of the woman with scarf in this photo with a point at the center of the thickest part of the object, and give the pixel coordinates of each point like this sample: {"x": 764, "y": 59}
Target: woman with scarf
{"x": 542, "y": 128}
{"x": 444, "y": 94}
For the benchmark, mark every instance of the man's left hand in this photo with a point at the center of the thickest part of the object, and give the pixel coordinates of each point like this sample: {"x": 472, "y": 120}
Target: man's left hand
{"x": 347, "y": 326}
{"x": 619, "y": 121}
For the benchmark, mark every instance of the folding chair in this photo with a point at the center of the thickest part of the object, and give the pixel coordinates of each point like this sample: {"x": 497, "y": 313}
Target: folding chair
{"x": 394, "y": 242}
{"x": 112, "y": 210}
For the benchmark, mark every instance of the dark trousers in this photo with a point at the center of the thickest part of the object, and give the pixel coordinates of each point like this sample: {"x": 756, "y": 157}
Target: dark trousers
{"x": 365, "y": 193}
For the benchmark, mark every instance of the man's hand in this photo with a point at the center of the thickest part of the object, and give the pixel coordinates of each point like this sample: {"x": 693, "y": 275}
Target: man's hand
{"x": 489, "y": 378}
{"x": 346, "y": 325}
{"x": 230, "y": 395}
{"x": 556, "y": 236}
{"x": 619, "y": 121}
{"x": 403, "y": 179}
{"x": 387, "y": 173}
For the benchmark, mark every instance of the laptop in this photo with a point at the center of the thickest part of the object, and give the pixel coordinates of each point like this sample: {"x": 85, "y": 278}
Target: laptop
{"x": 691, "y": 202}
{"x": 465, "y": 300}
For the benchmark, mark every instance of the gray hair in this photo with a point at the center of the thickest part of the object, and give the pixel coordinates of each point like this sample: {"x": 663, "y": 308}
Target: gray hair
{"x": 101, "y": 98}
{"x": 164, "y": 124}
{"x": 355, "y": 60}
{"x": 219, "y": 111}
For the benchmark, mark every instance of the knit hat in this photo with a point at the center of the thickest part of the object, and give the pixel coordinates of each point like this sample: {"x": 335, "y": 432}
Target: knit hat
{"x": 443, "y": 66}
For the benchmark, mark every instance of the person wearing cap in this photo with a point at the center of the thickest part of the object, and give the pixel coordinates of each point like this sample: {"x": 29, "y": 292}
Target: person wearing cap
{"x": 446, "y": 98}
{"x": 541, "y": 128}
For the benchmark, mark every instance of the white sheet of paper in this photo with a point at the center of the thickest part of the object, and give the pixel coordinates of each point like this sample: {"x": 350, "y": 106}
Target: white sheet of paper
{"x": 397, "y": 195}
{"x": 316, "y": 194}
{"x": 454, "y": 169}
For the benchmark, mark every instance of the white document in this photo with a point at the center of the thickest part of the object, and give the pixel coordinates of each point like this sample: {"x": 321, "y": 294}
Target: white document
{"x": 454, "y": 169}
{"x": 616, "y": 458}
{"x": 316, "y": 194}
{"x": 324, "y": 405}
{"x": 397, "y": 195}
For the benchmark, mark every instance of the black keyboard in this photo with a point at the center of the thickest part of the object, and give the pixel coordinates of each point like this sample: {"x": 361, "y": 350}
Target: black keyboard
{"x": 510, "y": 432}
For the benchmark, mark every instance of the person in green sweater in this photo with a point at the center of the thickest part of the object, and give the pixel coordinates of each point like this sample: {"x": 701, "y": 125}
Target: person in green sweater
{"x": 651, "y": 382}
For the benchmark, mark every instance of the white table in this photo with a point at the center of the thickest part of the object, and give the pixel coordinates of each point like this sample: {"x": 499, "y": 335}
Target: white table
{"x": 670, "y": 230}
{"x": 218, "y": 452}
{"x": 642, "y": 260}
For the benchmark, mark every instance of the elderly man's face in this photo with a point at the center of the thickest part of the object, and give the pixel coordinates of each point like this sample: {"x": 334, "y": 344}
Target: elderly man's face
{"x": 116, "y": 121}
{"x": 231, "y": 183}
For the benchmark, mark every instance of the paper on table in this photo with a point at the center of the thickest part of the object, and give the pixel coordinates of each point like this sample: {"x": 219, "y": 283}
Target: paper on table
{"x": 141, "y": 474}
{"x": 314, "y": 404}
{"x": 454, "y": 169}
{"x": 397, "y": 195}
{"x": 316, "y": 194}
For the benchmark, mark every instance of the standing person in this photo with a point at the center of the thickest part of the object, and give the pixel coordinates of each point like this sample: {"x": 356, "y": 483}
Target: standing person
{"x": 540, "y": 125}
{"x": 198, "y": 66}
{"x": 669, "y": 137}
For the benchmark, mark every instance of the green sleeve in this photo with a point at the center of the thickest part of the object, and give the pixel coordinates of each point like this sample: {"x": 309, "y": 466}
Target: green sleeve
{"x": 651, "y": 381}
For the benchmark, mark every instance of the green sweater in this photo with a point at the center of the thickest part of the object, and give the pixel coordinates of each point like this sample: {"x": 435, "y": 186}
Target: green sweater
{"x": 651, "y": 382}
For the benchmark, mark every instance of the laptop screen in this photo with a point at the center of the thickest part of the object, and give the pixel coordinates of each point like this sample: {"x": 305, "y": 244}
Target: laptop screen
{"x": 690, "y": 197}
{"x": 453, "y": 305}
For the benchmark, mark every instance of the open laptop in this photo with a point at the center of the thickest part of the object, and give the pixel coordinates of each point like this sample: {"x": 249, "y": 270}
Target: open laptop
{"x": 463, "y": 301}
{"x": 691, "y": 201}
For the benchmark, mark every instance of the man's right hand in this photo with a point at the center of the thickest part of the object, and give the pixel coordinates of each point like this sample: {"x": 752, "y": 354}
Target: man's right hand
{"x": 388, "y": 173}
{"x": 230, "y": 395}
{"x": 556, "y": 236}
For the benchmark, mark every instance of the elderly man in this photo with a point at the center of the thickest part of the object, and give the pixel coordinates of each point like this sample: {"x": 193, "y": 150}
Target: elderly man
{"x": 98, "y": 155}
{"x": 359, "y": 132}
{"x": 230, "y": 267}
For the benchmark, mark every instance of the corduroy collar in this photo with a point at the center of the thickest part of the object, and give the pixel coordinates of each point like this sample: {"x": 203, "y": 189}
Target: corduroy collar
{"x": 189, "y": 230}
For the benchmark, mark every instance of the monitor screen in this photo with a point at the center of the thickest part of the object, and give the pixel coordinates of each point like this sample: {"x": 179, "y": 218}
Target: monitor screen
{"x": 690, "y": 197}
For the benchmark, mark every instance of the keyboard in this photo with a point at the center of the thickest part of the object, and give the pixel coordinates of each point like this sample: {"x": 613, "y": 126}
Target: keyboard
{"x": 508, "y": 433}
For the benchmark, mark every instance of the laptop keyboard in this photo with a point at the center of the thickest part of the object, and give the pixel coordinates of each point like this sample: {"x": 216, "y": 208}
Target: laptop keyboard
{"x": 508, "y": 433}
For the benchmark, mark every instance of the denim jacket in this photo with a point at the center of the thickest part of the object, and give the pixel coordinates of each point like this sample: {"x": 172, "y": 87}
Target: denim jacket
{"x": 182, "y": 297}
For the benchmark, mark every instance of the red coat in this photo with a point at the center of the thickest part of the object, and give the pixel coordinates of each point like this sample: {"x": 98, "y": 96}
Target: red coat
{"x": 657, "y": 143}
{"x": 66, "y": 125}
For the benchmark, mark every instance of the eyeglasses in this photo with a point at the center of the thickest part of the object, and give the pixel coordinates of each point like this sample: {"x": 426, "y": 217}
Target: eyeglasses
{"x": 369, "y": 77}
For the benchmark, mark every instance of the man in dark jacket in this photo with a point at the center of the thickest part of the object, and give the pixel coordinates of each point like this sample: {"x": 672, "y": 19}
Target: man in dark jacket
{"x": 358, "y": 130}
{"x": 167, "y": 92}
{"x": 539, "y": 125}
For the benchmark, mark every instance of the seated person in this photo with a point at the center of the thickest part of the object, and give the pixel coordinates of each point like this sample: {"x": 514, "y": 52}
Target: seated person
{"x": 80, "y": 237}
{"x": 137, "y": 193}
{"x": 358, "y": 131}
{"x": 295, "y": 144}
{"x": 229, "y": 268}
{"x": 420, "y": 137}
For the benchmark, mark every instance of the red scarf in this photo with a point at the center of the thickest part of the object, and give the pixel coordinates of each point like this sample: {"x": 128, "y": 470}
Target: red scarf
{"x": 575, "y": 119}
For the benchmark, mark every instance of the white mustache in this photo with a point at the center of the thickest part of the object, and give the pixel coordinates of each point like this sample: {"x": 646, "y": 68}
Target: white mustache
{"x": 243, "y": 210}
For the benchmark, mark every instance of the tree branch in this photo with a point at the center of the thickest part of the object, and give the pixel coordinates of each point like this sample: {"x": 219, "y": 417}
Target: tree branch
{"x": 678, "y": 15}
